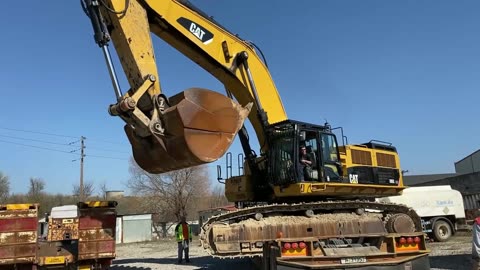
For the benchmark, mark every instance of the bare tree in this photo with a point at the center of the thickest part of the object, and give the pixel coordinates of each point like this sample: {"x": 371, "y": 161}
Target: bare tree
{"x": 217, "y": 197}
{"x": 4, "y": 187}
{"x": 102, "y": 190}
{"x": 37, "y": 186}
{"x": 88, "y": 189}
{"x": 36, "y": 193}
{"x": 171, "y": 195}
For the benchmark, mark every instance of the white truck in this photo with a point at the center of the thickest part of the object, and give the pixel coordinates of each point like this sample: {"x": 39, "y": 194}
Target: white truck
{"x": 440, "y": 208}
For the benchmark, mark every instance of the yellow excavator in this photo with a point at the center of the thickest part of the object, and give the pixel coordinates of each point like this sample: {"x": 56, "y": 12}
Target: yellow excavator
{"x": 303, "y": 199}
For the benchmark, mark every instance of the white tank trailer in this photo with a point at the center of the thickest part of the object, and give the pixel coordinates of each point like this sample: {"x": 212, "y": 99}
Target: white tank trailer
{"x": 440, "y": 208}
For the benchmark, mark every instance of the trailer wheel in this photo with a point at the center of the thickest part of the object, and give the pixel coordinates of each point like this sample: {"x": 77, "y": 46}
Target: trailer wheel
{"x": 441, "y": 231}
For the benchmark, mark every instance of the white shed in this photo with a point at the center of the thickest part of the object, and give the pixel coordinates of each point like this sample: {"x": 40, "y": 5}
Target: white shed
{"x": 134, "y": 228}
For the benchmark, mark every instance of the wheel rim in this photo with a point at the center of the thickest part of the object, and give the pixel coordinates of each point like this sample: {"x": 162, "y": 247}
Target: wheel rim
{"x": 443, "y": 231}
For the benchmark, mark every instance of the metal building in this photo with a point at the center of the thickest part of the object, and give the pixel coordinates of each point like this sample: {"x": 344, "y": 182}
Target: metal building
{"x": 468, "y": 164}
{"x": 114, "y": 194}
{"x": 134, "y": 228}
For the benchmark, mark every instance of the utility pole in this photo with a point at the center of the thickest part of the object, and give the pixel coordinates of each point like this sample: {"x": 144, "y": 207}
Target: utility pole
{"x": 82, "y": 155}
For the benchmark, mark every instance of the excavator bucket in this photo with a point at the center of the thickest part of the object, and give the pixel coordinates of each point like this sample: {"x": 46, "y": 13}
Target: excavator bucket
{"x": 200, "y": 126}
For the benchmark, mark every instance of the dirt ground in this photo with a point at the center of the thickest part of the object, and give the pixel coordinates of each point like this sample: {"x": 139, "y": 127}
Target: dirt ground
{"x": 454, "y": 254}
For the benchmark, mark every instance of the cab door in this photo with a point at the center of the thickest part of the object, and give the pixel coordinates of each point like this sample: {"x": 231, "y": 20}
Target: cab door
{"x": 330, "y": 157}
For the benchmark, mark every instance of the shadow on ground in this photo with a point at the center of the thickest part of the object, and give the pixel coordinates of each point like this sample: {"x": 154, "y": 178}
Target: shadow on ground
{"x": 126, "y": 267}
{"x": 451, "y": 262}
{"x": 454, "y": 262}
{"x": 205, "y": 262}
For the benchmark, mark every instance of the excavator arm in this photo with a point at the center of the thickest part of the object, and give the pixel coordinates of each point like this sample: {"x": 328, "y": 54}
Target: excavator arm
{"x": 197, "y": 125}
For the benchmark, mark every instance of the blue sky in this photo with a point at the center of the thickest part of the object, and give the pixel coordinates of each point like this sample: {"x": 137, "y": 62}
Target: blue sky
{"x": 407, "y": 72}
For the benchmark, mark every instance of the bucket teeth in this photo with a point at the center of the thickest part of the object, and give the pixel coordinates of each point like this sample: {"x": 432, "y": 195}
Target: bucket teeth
{"x": 200, "y": 125}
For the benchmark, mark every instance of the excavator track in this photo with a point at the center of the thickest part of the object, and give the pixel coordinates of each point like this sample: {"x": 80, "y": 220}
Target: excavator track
{"x": 222, "y": 235}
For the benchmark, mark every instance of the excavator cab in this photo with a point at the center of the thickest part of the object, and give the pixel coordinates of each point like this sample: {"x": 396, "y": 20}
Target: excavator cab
{"x": 302, "y": 152}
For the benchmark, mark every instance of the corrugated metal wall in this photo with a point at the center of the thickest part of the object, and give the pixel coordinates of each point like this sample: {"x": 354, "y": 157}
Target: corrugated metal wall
{"x": 471, "y": 201}
{"x": 136, "y": 228}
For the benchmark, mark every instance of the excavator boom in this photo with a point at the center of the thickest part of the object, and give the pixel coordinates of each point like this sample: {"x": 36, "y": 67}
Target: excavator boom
{"x": 195, "y": 126}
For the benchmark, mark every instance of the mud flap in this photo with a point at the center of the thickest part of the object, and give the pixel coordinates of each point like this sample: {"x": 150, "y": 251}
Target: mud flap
{"x": 198, "y": 127}
{"x": 270, "y": 254}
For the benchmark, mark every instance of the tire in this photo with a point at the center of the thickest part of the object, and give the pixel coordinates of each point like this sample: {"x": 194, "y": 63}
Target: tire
{"x": 442, "y": 231}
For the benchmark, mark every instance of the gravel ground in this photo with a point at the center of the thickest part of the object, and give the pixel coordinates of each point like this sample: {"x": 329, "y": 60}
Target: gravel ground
{"x": 454, "y": 254}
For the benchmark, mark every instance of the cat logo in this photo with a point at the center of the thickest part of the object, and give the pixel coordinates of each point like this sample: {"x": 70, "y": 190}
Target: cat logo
{"x": 197, "y": 30}
{"x": 353, "y": 178}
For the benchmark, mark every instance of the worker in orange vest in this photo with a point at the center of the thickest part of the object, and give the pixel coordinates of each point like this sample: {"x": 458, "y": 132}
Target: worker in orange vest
{"x": 183, "y": 234}
{"x": 476, "y": 244}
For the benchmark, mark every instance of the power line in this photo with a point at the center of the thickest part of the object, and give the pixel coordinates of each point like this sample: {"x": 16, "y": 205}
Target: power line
{"x": 39, "y": 147}
{"x": 37, "y": 132}
{"x": 57, "y": 150}
{"x": 71, "y": 143}
{"x": 59, "y": 135}
{"x": 34, "y": 140}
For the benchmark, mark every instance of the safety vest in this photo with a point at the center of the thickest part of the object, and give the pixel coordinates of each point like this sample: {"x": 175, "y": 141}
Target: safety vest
{"x": 179, "y": 232}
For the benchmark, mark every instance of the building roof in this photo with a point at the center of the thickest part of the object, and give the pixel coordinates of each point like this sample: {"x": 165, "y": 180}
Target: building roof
{"x": 413, "y": 180}
{"x": 467, "y": 156}
{"x": 135, "y": 214}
